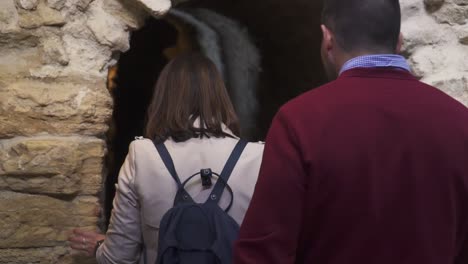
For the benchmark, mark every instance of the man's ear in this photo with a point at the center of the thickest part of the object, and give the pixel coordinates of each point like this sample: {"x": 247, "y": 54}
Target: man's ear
{"x": 327, "y": 38}
{"x": 400, "y": 43}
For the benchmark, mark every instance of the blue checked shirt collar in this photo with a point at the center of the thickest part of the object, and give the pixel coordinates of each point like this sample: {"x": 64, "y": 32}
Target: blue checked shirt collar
{"x": 376, "y": 61}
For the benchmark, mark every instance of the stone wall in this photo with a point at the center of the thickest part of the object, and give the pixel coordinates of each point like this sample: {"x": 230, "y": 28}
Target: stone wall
{"x": 55, "y": 109}
{"x": 436, "y": 43}
{"x": 54, "y": 113}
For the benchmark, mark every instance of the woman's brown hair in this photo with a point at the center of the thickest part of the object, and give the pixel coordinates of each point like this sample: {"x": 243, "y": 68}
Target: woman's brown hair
{"x": 190, "y": 87}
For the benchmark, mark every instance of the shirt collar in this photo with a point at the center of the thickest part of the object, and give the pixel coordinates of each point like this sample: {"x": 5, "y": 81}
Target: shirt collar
{"x": 376, "y": 61}
{"x": 225, "y": 129}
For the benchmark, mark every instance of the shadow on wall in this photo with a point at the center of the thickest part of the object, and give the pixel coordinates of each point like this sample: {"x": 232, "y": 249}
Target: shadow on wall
{"x": 288, "y": 41}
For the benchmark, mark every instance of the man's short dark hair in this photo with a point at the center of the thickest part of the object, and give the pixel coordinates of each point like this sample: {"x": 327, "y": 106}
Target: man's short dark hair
{"x": 364, "y": 25}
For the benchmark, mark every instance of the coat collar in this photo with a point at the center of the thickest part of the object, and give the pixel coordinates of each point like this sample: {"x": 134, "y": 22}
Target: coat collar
{"x": 225, "y": 129}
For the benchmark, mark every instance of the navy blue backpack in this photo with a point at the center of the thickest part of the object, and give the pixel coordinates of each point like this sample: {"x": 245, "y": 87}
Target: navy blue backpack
{"x": 198, "y": 233}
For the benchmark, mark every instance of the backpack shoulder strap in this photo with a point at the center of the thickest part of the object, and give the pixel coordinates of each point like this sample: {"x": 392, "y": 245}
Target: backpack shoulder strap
{"x": 167, "y": 159}
{"x": 226, "y": 173}
{"x": 169, "y": 163}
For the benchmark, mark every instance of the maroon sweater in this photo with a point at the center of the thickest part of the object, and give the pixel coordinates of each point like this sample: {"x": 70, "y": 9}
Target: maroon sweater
{"x": 369, "y": 169}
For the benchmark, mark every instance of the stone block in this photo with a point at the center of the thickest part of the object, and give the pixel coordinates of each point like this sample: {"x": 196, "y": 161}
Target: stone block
{"x": 42, "y": 16}
{"x": 107, "y": 29}
{"x": 30, "y": 221}
{"x": 461, "y": 2}
{"x": 425, "y": 62}
{"x": 46, "y": 255}
{"x": 27, "y": 4}
{"x": 56, "y": 4}
{"x": 433, "y": 5}
{"x": 8, "y": 16}
{"x": 59, "y": 107}
{"x": 36, "y": 255}
{"x": 129, "y": 12}
{"x": 53, "y": 50}
{"x": 82, "y": 4}
{"x": 88, "y": 59}
{"x": 421, "y": 31}
{"x": 462, "y": 34}
{"x": 452, "y": 14}
{"x": 411, "y": 9}
{"x": 18, "y": 39}
{"x": 157, "y": 8}
{"x": 437, "y": 62}
{"x": 52, "y": 165}
{"x": 455, "y": 87}
{"x": 17, "y": 62}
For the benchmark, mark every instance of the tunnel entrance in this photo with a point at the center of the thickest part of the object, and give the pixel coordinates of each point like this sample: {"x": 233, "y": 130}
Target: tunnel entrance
{"x": 287, "y": 38}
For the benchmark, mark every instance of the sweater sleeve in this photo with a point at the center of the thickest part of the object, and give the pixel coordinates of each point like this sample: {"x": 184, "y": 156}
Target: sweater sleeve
{"x": 270, "y": 231}
{"x": 463, "y": 257}
{"x": 123, "y": 238}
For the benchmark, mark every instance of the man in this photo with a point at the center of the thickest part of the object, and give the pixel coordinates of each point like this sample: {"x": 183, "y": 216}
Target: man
{"x": 370, "y": 168}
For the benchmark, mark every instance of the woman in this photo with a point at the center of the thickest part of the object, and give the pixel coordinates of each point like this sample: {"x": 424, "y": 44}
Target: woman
{"x": 192, "y": 114}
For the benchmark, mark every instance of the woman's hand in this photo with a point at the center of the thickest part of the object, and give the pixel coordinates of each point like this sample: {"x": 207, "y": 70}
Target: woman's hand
{"x": 85, "y": 241}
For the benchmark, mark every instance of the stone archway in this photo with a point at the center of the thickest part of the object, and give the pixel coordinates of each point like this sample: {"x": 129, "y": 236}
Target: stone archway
{"x": 55, "y": 110}
{"x": 289, "y": 66}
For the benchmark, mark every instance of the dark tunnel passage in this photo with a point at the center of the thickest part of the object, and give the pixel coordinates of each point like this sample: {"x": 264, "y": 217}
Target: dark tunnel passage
{"x": 288, "y": 40}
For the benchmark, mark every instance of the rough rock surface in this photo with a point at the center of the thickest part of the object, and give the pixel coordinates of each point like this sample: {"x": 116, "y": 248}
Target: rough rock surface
{"x": 54, "y": 113}
{"x": 436, "y": 43}
{"x": 28, "y": 4}
{"x": 52, "y": 165}
{"x": 55, "y": 108}
{"x": 29, "y": 221}
{"x": 47, "y": 255}
{"x": 156, "y": 7}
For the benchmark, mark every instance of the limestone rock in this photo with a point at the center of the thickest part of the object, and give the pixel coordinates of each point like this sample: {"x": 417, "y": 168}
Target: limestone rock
{"x": 58, "y": 107}
{"x": 36, "y": 255}
{"x": 42, "y": 16}
{"x": 462, "y": 34}
{"x": 157, "y": 7}
{"x": 422, "y": 31}
{"x": 54, "y": 51}
{"x": 18, "y": 40}
{"x": 464, "y": 40}
{"x": 8, "y": 16}
{"x": 433, "y": 5}
{"x": 456, "y": 88}
{"x": 42, "y": 221}
{"x": 52, "y": 165}
{"x": 91, "y": 39}
{"x": 461, "y": 2}
{"x": 45, "y": 255}
{"x": 56, "y": 4}
{"x": 452, "y": 14}
{"x": 411, "y": 9}
{"x": 131, "y": 13}
{"x": 83, "y": 4}
{"x": 87, "y": 57}
{"x": 107, "y": 29}
{"x": 440, "y": 62}
{"x": 18, "y": 62}
{"x": 77, "y": 28}
{"x": 28, "y": 4}
{"x": 422, "y": 64}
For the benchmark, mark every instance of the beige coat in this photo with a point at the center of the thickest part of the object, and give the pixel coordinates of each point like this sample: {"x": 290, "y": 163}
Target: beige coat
{"x": 146, "y": 191}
